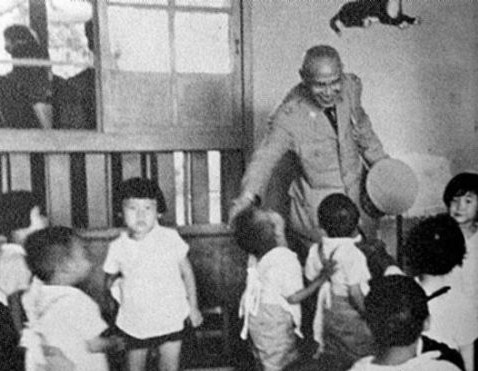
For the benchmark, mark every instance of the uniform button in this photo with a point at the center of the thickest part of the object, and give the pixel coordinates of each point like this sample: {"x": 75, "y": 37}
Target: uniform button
{"x": 312, "y": 114}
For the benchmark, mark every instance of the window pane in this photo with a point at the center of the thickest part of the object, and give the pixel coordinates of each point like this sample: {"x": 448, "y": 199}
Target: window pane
{"x": 144, "y": 47}
{"x": 202, "y": 43}
{"x": 205, "y": 3}
{"x": 67, "y": 43}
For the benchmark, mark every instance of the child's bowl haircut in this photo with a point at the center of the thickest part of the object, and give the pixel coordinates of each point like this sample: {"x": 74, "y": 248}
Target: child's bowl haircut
{"x": 142, "y": 188}
{"x": 459, "y": 186}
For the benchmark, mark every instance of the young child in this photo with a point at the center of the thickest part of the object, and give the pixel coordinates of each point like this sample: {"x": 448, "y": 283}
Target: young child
{"x": 434, "y": 248}
{"x": 461, "y": 198}
{"x": 396, "y": 311}
{"x": 20, "y": 215}
{"x": 14, "y": 276}
{"x": 59, "y": 314}
{"x": 157, "y": 289}
{"x": 339, "y": 328}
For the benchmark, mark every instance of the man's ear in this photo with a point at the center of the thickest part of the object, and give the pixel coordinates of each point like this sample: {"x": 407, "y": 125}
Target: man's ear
{"x": 426, "y": 324}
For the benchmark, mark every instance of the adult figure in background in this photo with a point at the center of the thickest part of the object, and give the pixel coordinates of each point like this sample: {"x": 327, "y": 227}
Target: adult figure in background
{"x": 32, "y": 97}
{"x": 84, "y": 84}
{"x": 26, "y": 95}
{"x": 322, "y": 121}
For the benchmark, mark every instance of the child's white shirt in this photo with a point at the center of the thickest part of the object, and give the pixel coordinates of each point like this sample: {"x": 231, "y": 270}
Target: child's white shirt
{"x": 452, "y": 314}
{"x": 153, "y": 300}
{"x": 351, "y": 269}
{"x": 271, "y": 280}
{"x": 468, "y": 272}
{"x": 66, "y": 318}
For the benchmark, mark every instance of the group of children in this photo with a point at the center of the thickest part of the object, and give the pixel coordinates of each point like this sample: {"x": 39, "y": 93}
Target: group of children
{"x": 370, "y": 314}
{"x": 52, "y": 325}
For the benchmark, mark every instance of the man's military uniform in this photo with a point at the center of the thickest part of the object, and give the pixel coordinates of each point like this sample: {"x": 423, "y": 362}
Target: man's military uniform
{"x": 330, "y": 161}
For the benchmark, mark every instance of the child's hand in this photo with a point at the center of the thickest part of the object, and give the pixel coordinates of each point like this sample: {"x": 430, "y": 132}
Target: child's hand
{"x": 196, "y": 317}
{"x": 118, "y": 344}
{"x": 329, "y": 267}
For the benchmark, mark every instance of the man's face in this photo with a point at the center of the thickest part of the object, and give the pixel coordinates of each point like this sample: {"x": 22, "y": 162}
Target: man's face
{"x": 323, "y": 78}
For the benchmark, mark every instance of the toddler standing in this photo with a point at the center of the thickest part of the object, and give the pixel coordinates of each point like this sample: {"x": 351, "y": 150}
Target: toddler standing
{"x": 59, "y": 314}
{"x": 461, "y": 198}
{"x": 338, "y": 324}
{"x": 157, "y": 287}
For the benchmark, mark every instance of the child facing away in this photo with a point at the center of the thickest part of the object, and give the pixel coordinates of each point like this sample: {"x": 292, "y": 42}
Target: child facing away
{"x": 461, "y": 199}
{"x": 338, "y": 326}
{"x": 20, "y": 215}
{"x": 157, "y": 287}
{"x": 434, "y": 247}
{"x": 60, "y": 315}
{"x": 396, "y": 311}
{"x": 274, "y": 288}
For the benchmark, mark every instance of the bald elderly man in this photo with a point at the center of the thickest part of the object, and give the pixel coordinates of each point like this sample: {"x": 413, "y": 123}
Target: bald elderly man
{"x": 323, "y": 122}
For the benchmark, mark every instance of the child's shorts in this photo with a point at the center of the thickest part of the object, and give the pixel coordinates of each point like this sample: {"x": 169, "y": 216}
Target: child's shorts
{"x": 274, "y": 342}
{"x": 135, "y": 343}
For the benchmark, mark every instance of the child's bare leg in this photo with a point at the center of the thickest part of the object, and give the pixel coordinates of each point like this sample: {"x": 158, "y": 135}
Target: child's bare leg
{"x": 136, "y": 359}
{"x": 169, "y": 353}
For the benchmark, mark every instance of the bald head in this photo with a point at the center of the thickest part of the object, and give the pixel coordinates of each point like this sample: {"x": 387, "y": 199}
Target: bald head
{"x": 321, "y": 73}
{"x": 319, "y": 52}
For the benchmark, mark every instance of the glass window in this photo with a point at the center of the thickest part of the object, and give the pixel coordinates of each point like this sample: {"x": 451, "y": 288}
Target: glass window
{"x": 202, "y": 43}
{"x": 144, "y": 47}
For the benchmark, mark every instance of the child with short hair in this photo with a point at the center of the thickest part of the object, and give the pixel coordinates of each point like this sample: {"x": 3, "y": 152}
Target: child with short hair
{"x": 157, "y": 288}
{"x": 396, "y": 311}
{"x": 434, "y": 247}
{"x": 274, "y": 275}
{"x": 20, "y": 215}
{"x": 59, "y": 314}
{"x": 339, "y": 328}
{"x": 461, "y": 199}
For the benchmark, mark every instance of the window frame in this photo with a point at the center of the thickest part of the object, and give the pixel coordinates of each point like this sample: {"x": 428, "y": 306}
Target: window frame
{"x": 174, "y": 138}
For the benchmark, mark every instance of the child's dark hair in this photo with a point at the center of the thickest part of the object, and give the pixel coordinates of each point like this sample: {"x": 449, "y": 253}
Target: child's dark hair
{"x": 395, "y": 310}
{"x": 435, "y": 246}
{"x": 254, "y": 230}
{"x": 47, "y": 249}
{"x": 15, "y": 209}
{"x": 459, "y": 186}
{"x": 142, "y": 188}
{"x": 338, "y": 215}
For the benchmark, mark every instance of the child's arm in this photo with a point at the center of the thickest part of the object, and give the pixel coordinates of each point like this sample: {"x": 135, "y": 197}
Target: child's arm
{"x": 109, "y": 305}
{"x": 101, "y": 344}
{"x": 326, "y": 272}
{"x": 467, "y": 355}
{"x": 357, "y": 298}
{"x": 187, "y": 275}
